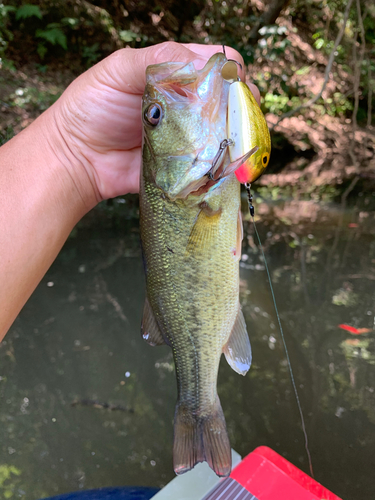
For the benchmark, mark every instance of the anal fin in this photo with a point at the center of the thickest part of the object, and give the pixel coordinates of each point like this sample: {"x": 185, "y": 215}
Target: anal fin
{"x": 237, "y": 350}
{"x": 150, "y": 330}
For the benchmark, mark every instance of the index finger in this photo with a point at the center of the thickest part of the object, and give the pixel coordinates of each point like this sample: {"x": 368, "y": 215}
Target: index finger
{"x": 125, "y": 69}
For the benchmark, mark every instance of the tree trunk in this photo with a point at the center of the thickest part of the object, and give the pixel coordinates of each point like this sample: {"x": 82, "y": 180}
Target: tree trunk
{"x": 268, "y": 17}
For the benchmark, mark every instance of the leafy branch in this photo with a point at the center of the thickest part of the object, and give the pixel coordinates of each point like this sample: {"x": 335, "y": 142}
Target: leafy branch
{"x": 331, "y": 59}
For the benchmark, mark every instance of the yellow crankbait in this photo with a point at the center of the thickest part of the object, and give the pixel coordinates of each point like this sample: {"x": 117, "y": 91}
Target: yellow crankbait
{"x": 247, "y": 128}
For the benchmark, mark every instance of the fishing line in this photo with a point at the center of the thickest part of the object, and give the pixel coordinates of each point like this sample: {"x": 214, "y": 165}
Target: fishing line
{"x": 251, "y": 209}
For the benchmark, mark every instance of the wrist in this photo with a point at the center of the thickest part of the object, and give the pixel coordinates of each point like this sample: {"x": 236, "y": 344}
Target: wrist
{"x": 73, "y": 169}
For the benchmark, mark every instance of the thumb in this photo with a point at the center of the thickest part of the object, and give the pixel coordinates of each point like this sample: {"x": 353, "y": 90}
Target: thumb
{"x": 125, "y": 70}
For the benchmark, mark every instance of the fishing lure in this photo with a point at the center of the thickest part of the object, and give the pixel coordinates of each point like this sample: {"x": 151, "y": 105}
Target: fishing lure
{"x": 247, "y": 128}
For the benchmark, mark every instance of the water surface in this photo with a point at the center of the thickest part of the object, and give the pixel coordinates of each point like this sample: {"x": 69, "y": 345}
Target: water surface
{"x": 77, "y": 341}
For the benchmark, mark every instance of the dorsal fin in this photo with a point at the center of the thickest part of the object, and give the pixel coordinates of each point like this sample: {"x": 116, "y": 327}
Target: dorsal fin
{"x": 150, "y": 330}
{"x": 237, "y": 350}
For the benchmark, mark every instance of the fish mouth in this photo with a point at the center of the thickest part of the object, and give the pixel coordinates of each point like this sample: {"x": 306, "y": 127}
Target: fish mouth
{"x": 201, "y": 185}
{"x": 194, "y": 188}
{"x": 209, "y": 180}
{"x": 204, "y": 185}
{"x": 213, "y": 177}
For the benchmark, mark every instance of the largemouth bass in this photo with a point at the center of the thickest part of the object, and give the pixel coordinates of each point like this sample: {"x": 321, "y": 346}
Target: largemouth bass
{"x": 191, "y": 233}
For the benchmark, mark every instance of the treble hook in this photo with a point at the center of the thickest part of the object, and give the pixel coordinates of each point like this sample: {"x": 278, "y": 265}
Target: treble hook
{"x": 231, "y": 167}
{"x": 223, "y": 146}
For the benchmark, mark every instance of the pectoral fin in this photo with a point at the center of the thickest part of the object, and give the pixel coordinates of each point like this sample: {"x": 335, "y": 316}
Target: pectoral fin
{"x": 149, "y": 328}
{"x": 204, "y": 233}
{"x": 237, "y": 350}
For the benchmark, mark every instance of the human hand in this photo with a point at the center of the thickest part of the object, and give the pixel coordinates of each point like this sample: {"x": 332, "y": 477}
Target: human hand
{"x": 98, "y": 118}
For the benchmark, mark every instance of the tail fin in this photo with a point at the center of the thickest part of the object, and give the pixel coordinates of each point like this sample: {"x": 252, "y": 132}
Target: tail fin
{"x": 199, "y": 438}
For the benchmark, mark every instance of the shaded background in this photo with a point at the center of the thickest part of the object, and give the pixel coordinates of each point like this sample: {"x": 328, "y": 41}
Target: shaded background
{"x": 84, "y": 402}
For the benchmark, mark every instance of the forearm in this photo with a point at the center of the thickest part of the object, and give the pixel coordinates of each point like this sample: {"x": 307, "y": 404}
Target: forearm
{"x": 40, "y": 203}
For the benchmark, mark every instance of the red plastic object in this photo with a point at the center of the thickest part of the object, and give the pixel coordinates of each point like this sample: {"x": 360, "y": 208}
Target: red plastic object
{"x": 269, "y": 476}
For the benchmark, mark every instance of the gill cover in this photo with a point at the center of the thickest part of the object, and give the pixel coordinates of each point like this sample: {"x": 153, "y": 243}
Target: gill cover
{"x": 248, "y": 129}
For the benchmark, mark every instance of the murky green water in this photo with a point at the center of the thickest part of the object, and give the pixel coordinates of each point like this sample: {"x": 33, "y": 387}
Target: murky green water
{"x": 78, "y": 340}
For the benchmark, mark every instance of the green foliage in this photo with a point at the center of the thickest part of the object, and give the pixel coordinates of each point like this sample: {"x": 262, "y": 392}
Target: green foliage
{"x": 338, "y": 105}
{"x": 6, "y": 35}
{"x": 8, "y": 481}
{"x": 70, "y": 21}
{"x": 273, "y": 42}
{"x": 32, "y": 98}
{"x": 6, "y": 135}
{"x": 277, "y": 104}
{"x": 41, "y": 50}
{"x": 285, "y": 53}
{"x": 345, "y": 297}
{"x": 27, "y": 10}
{"x": 303, "y": 71}
{"x": 127, "y": 35}
{"x": 53, "y": 34}
{"x": 326, "y": 45}
{"x": 91, "y": 53}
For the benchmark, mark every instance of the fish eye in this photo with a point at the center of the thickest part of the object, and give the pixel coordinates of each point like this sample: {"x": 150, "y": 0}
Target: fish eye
{"x": 265, "y": 158}
{"x": 153, "y": 114}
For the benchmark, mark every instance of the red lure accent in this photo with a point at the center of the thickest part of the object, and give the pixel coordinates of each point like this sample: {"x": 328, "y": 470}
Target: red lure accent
{"x": 242, "y": 173}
